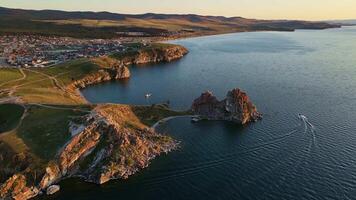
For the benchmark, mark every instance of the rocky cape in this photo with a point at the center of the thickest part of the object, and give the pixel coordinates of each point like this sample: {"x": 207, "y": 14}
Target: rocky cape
{"x": 116, "y": 67}
{"x": 236, "y": 107}
{"x": 155, "y": 53}
{"x": 112, "y": 143}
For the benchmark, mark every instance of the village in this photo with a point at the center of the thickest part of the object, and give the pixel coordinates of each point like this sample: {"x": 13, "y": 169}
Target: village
{"x": 42, "y": 51}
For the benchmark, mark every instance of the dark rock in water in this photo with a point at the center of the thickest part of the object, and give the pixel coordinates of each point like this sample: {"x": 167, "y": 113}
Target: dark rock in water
{"x": 236, "y": 107}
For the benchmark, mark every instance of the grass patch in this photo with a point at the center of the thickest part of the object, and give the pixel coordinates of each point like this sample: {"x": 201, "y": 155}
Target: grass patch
{"x": 149, "y": 115}
{"x": 30, "y": 79}
{"x": 38, "y": 87}
{"x": 70, "y": 71}
{"x": 45, "y": 130}
{"x": 10, "y": 115}
{"x": 7, "y": 74}
{"x": 137, "y": 117}
{"x": 134, "y": 49}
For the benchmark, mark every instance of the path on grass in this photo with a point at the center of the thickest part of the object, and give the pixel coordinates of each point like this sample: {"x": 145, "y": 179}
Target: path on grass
{"x": 24, "y": 76}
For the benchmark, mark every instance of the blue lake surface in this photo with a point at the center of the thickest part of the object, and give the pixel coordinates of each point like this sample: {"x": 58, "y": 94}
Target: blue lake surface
{"x": 280, "y": 157}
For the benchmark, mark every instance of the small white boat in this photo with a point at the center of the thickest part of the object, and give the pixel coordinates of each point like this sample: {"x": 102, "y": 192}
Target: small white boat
{"x": 148, "y": 95}
{"x": 302, "y": 117}
{"x": 195, "y": 119}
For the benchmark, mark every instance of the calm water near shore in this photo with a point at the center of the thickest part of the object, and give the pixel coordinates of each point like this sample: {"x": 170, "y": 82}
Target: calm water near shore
{"x": 280, "y": 157}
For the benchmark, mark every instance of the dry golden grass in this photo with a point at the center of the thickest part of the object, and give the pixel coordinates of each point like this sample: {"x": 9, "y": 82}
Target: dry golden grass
{"x": 39, "y": 85}
{"x": 167, "y": 24}
{"x": 14, "y": 142}
{"x": 122, "y": 115}
{"x": 137, "y": 116}
{"x": 104, "y": 62}
{"x": 7, "y": 74}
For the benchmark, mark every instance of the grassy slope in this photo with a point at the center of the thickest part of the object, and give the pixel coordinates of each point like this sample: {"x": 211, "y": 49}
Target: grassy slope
{"x": 108, "y": 25}
{"x": 149, "y": 115}
{"x": 73, "y": 70}
{"x": 45, "y": 130}
{"x": 166, "y": 24}
{"x": 135, "y": 48}
{"x": 36, "y": 141}
{"x": 10, "y": 115}
{"x": 8, "y": 75}
{"x": 38, "y": 87}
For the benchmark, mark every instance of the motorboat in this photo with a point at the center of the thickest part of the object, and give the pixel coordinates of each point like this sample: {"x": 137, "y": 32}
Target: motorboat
{"x": 302, "y": 117}
{"x": 195, "y": 119}
{"x": 148, "y": 95}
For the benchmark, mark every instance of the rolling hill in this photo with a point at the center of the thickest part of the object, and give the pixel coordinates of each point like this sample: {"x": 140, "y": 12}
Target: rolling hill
{"x": 110, "y": 25}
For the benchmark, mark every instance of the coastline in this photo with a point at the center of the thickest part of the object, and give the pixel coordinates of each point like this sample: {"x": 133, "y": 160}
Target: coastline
{"x": 166, "y": 40}
{"x": 158, "y": 123}
{"x": 89, "y": 150}
{"x": 125, "y": 125}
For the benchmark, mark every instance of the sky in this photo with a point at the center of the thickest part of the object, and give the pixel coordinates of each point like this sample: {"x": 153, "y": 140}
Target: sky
{"x": 261, "y": 9}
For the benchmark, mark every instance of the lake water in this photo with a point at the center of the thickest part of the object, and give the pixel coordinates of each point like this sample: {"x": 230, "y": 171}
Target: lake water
{"x": 280, "y": 157}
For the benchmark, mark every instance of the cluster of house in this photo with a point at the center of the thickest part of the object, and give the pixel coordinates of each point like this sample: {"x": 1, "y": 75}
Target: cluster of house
{"x": 42, "y": 51}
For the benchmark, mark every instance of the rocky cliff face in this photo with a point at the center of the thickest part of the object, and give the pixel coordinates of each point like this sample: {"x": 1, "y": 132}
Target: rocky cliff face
{"x": 109, "y": 148}
{"x": 116, "y": 68}
{"x": 236, "y": 107}
{"x": 17, "y": 188}
{"x": 113, "y": 145}
{"x": 154, "y": 54}
{"x": 102, "y": 75}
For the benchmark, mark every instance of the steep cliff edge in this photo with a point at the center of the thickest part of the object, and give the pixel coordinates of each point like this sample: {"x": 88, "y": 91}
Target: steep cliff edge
{"x": 115, "y": 67}
{"x": 236, "y": 107}
{"x": 102, "y": 75}
{"x": 151, "y": 54}
{"x": 113, "y": 144}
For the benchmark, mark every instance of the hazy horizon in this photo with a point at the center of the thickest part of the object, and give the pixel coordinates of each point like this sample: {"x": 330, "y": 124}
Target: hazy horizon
{"x": 259, "y": 9}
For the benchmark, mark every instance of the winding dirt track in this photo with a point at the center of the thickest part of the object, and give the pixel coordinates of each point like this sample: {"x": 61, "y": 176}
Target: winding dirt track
{"x": 24, "y": 76}
{"x": 11, "y": 90}
{"x": 52, "y": 78}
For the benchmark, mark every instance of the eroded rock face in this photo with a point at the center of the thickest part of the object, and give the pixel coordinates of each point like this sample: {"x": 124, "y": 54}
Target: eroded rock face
{"x": 17, "y": 188}
{"x": 154, "y": 55}
{"x": 236, "y": 107}
{"x": 52, "y": 174}
{"x": 101, "y": 76}
{"x": 114, "y": 145}
{"x": 129, "y": 150}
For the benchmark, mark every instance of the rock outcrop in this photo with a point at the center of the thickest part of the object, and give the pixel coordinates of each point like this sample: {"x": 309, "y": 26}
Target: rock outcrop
{"x": 17, "y": 188}
{"x": 115, "y": 67}
{"x": 236, "y": 107}
{"x": 105, "y": 74}
{"x": 155, "y": 53}
{"x": 113, "y": 145}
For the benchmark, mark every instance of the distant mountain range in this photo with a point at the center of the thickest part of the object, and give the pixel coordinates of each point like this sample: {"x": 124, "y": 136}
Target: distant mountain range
{"x": 108, "y": 25}
{"x": 343, "y": 22}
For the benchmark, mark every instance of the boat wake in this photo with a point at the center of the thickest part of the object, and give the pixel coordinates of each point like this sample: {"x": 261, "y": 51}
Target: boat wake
{"x": 306, "y": 126}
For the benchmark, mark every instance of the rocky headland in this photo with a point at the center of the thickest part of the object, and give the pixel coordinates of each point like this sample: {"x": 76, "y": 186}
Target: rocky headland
{"x": 116, "y": 67}
{"x": 153, "y": 54}
{"x": 113, "y": 144}
{"x": 236, "y": 107}
{"x": 110, "y": 142}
